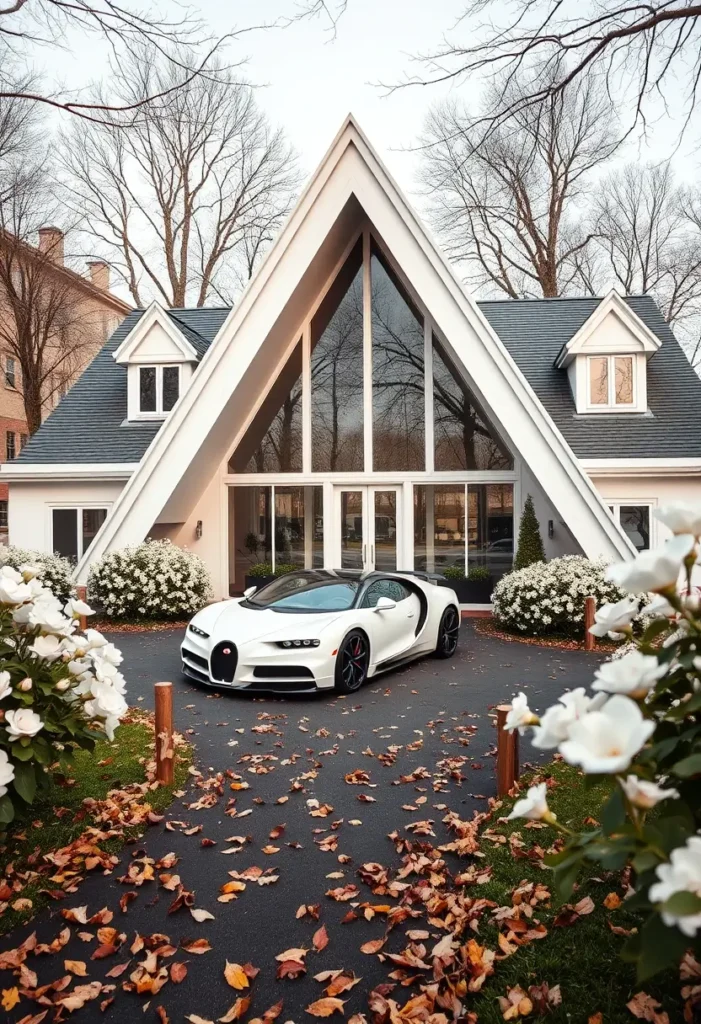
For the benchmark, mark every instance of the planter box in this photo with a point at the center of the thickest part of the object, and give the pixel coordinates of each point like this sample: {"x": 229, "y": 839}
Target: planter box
{"x": 257, "y": 581}
{"x": 471, "y": 591}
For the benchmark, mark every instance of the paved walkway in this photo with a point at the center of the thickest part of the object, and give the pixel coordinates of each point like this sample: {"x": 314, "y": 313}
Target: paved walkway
{"x": 430, "y": 711}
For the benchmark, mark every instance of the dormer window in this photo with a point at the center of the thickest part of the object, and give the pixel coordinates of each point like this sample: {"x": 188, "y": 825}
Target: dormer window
{"x": 159, "y": 389}
{"x": 611, "y": 381}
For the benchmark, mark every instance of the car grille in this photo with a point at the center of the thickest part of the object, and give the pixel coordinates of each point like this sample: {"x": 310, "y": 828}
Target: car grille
{"x": 282, "y": 672}
{"x": 223, "y": 661}
{"x": 196, "y": 658}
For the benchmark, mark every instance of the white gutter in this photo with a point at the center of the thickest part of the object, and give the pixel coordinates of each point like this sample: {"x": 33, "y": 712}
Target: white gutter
{"x": 641, "y": 467}
{"x": 38, "y": 472}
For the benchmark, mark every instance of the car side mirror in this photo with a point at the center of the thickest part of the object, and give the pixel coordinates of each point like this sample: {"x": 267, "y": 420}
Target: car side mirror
{"x": 250, "y": 591}
{"x": 385, "y": 604}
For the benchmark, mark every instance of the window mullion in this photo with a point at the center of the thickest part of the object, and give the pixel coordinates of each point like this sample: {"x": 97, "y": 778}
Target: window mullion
{"x": 367, "y": 354}
{"x": 307, "y": 398}
{"x": 428, "y": 394}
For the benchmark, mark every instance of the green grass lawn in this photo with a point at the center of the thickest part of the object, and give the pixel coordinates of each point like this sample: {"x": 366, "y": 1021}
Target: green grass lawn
{"x": 40, "y": 830}
{"x": 584, "y": 958}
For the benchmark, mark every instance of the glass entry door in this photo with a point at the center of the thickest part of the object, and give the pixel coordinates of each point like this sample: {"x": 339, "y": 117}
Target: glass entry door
{"x": 367, "y": 527}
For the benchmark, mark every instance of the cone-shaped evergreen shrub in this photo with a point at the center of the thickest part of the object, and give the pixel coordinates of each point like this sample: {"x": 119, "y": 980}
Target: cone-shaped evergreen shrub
{"x": 530, "y": 543}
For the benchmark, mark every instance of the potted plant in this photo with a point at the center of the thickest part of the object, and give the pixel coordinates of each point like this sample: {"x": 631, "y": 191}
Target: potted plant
{"x": 259, "y": 575}
{"x": 475, "y": 588}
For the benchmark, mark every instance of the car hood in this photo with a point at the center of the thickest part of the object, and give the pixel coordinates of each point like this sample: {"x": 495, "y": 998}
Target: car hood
{"x": 242, "y": 625}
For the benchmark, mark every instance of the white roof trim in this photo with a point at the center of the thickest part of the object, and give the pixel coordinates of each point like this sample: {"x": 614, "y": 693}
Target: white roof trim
{"x": 154, "y": 314}
{"x": 642, "y": 467}
{"x": 25, "y": 471}
{"x": 611, "y": 303}
{"x": 359, "y": 173}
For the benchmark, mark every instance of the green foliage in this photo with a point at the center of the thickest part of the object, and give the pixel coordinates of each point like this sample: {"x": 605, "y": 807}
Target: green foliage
{"x": 454, "y": 572}
{"x": 56, "y": 571}
{"x": 479, "y": 574}
{"x": 530, "y": 543}
{"x": 282, "y": 569}
{"x": 260, "y": 569}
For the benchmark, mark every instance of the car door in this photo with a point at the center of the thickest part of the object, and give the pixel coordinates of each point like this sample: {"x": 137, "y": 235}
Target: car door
{"x": 392, "y": 630}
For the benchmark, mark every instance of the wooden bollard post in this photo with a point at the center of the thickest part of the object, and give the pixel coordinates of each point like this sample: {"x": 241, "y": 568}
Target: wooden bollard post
{"x": 589, "y": 612}
{"x": 82, "y": 593}
{"x": 507, "y": 753}
{"x": 165, "y": 760}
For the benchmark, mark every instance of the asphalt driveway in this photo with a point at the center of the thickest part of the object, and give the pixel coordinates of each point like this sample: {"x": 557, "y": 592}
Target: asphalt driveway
{"x": 421, "y": 717}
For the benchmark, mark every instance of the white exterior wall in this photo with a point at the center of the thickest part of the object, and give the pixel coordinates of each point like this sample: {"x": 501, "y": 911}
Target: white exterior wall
{"x": 562, "y": 542}
{"x": 30, "y": 504}
{"x": 648, "y": 490}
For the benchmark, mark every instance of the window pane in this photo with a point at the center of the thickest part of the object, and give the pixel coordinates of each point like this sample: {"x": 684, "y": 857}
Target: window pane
{"x": 171, "y": 386}
{"x": 490, "y": 528}
{"x": 3, "y": 514}
{"x": 352, "y": 530}
{"x": 273, "y": 442}
{"x": 65, "y": 532}
{"x": 93, "y": 518}
{"x": 251, "y": 532}
{"x": 463, "y": 438}
{"x": 397, "y": 375}
{"x": 624, "y": 380}
{"x": 635, "y": 520}
{"x": 10, "y": 449}
{"x": 599, "y": 380}
{"x": 314, "y": 498}
{"x": 385, "y": 539}
{"x": 290, "y": 527}
{"x": 147, "y": 388}
{"x": 439, "y": 528}
{"x": 337, "y": 372}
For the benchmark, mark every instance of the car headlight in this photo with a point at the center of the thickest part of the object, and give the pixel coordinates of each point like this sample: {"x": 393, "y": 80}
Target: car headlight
{"x": 197, "y": 631}
{"x": 297, "y": 643}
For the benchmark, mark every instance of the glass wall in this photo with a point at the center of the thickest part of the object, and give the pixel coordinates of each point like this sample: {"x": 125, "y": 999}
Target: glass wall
{"x": 444, "y": 540}
{"x": 463, "y": 437}
{"x": 397, "y": 374}
{"x": 273, "y": 442}
{"x": 274, "y": 528}
{"x": 337, "y": 372}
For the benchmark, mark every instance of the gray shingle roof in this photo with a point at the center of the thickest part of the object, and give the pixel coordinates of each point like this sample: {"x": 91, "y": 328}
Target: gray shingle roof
{"x": 90, "y": 423}
{"x": 534, "y": 331}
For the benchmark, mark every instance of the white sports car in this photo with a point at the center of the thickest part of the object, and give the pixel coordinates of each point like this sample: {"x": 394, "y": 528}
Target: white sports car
{"x": 318, "y": 629}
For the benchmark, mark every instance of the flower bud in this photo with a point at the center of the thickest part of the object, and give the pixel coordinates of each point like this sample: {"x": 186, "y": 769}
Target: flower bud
{"x": 62, "y": 685}
{"x": 26, "y": 685}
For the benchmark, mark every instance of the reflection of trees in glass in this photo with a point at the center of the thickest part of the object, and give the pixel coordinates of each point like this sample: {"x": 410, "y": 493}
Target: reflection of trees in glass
{"x": 463, "y": 438}
{"x": 635, "y": 520}
{"x": 273, "y": 442}
{"x": 397, "y": 375}
{"x": 337, "y": 372}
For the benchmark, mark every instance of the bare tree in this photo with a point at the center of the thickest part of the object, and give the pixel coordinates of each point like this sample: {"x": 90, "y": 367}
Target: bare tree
{"x": 43, "y": 325}
{"x": 183, "y": 201}
{"x": 640, "y": 50}
{"x": 506, "y": 205}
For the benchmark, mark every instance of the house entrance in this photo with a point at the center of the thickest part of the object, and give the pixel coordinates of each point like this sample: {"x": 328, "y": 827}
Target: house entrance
{"x": 367, "y": 527}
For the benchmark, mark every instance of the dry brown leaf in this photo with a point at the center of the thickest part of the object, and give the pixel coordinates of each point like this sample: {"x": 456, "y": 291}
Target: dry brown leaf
{"x": 325, "y": 1007}
{"x": 178, "y": 972}
{"x": 320, "y": 939}
{"x": 195, "y": 1018}
{"x": 596, "y": 1018}
{"x": 76, "y": 967}
{"x": 201, "y": 915}
{"x": 196, "y": 946}
{"x": 10, "y": 998}
{"x": 373, "y": 946}
{"x": 236, "y": 1011}
{"x": 236, "y": 976}
{"x": 644, "y": 1007}
{"x": 612, "y": 901}
{"x": 585, "y": 906}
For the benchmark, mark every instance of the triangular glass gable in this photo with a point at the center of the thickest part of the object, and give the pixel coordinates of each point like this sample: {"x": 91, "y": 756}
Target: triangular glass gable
{"x": 463, "y": 436}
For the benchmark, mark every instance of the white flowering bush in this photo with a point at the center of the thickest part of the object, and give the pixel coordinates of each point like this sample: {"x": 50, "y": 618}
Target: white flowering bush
{"x": 56, "y": 571}
{"x": 548, "y": 597}
{"x": 59, "y": 689}
{"x": 154, "y": 580}
{"x": 639, "y": 729}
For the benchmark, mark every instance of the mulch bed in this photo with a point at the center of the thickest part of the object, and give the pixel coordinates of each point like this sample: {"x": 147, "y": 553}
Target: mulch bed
{"x": 489, "y": 627}
{"x": 147, "y": 626}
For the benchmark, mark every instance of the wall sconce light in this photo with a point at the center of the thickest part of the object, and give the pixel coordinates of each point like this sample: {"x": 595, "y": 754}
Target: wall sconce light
{"x": 551, "y": 528}
{"x": 198, "y": 529}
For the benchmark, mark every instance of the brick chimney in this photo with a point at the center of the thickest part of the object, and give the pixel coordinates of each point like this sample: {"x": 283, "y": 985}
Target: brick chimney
{"x": 100, "y": 274}
{"x": 51, "y": 243}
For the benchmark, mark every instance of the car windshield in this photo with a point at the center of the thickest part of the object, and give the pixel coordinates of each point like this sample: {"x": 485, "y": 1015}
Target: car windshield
{"x": 300, "y": 592}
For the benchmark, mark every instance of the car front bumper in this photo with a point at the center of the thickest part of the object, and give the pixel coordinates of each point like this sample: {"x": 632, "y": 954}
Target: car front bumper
{"x": 261, "y": 667}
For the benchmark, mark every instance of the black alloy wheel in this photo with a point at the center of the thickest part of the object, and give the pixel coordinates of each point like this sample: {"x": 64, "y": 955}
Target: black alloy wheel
{"x": 352, "y": 662}
{"x": 448, "y": 633}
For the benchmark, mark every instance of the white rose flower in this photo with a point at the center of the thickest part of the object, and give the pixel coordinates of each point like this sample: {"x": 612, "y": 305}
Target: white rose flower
{"x": 659, "y": 607}
{"x": 607, "y": 740}
{"x": 74, "y": 608}
{"x": 22, "y": 722}
{"x": 95, "y": 638}
{"x": 613, "y": 618}
{"x": 534, "y": 805}
{"x": 49, "y": 619}
{"x": 7, "y": 772}
{"x": 8, "y": 572}
{"x": 520, "y": 715}
{"x": 682, "y": 874}
{"x": 555, "y": 724}
{"x": 48, "y": 647}
{"x": 681, "y": 517}
{"x": 5, "y": 685}
{"x": 644, "y": 794}
{"x": 109, "y": 655}
{"x": 12, "y": 592}
{"x": 634, "y": 674}
{"x": 653, "y": 570}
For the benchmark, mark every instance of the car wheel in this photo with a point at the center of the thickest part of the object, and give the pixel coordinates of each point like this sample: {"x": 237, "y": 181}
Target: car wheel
{"x": 448, "y": 633}
{"x": 352, "y": 662}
